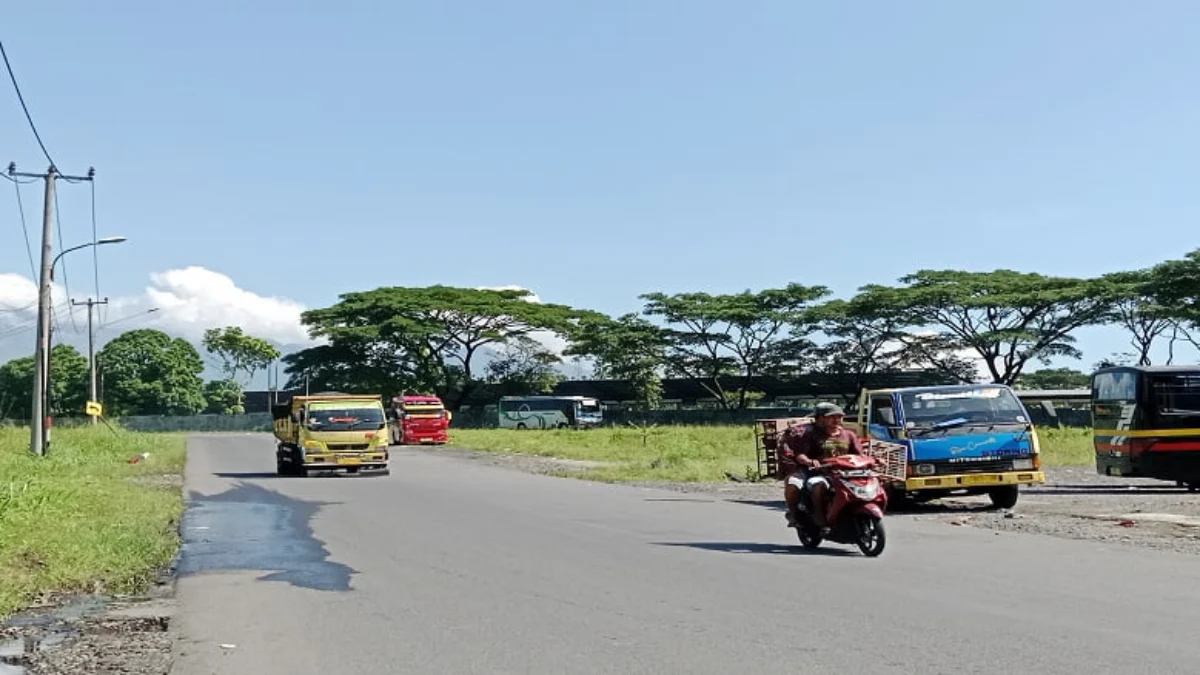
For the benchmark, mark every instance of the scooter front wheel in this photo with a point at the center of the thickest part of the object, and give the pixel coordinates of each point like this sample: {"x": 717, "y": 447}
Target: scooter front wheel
{"x": 871, "y": 535}
{"x": 810, "y": 537}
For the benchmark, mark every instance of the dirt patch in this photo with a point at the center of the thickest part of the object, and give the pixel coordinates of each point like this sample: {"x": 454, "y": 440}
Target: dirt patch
{"x": 91, "y": 635}
{"x": 174, "y": 480}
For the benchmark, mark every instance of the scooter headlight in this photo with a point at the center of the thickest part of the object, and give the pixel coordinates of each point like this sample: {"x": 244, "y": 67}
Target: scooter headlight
{"x": 865, "y": 492}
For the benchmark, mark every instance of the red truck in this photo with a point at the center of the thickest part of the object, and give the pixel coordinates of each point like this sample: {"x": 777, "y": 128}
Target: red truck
{"x": 417, "y": 419}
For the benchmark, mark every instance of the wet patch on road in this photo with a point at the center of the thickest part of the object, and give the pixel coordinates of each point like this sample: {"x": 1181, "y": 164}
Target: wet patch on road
{"x": 251, "y": 528}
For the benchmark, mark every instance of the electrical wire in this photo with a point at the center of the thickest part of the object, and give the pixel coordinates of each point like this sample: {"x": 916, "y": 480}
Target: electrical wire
{"x": 25, "y": 229}
{"x": 63, "y": 261}
{"x": 121, "y": 320}
{"x": 13, "y": 310}
{"x": 28, "y": 324}
{"x": 20, "y": 97}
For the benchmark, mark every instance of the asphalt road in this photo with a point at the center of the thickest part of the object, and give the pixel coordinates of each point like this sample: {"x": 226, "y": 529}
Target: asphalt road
{"x": 446, "y": 566}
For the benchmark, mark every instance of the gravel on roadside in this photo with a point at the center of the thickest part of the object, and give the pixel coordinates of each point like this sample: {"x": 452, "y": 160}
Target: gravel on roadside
{"x": 91, "y": 635}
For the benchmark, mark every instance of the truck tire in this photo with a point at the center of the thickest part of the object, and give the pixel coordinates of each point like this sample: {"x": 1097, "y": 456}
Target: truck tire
{"x": 1004, "y": 497}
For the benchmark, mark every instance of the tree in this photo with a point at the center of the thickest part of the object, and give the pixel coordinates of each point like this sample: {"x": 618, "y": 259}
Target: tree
{"x": 435, "y": 331}
{"x": 627, "y": 348}
{"x": 353, "y": 366}
{"x": 1006, "y": 317}
{"x": 147, "y": 372}
{"x": 526, "y": 367}
{"x": 867, "y": 335}
{"x": 713, "y": 337}
{"x": 68, "y": 384}
{"x": 1054, "y": 378}
{"x": 1136, "y": 310}
{"x": 239, "y": 353}
{"x": 223, "y": 397}
{"x": 1173, "y": 287}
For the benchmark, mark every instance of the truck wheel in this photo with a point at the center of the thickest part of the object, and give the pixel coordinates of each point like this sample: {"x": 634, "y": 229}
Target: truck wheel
{"x": 1004, "y": 497}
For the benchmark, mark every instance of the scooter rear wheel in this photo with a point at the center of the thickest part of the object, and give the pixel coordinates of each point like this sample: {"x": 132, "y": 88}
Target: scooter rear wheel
{"x": 871, "y": 535}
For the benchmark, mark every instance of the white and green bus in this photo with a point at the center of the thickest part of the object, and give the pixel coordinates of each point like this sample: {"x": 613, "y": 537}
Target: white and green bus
{"x": 549, "y": 412}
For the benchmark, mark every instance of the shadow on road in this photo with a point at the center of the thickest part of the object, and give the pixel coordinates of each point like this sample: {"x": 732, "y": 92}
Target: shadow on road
{"x": 758, "y": 548}
{"x": 332, "y": 473}
{"x": 252, "y": 528}
{"x": 927, "y": 509}
{"x": 1122, "y": 489}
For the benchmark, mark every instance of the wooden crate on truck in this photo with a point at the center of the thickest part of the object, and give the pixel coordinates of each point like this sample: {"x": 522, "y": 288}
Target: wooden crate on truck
{"x": 892, "y": 457}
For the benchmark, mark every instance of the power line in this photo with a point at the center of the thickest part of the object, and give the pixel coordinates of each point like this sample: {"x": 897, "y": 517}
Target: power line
{"x": 25, "y": 228}
{"x": 63, "y": 247}
{"x": 20, "y": 97}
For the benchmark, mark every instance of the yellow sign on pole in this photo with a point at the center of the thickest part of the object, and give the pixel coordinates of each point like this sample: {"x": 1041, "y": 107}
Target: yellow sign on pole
{"x": 95, "y": 409}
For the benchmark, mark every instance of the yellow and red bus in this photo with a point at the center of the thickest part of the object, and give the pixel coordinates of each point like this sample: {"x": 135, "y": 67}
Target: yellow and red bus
{"x": 1146, "y": 422}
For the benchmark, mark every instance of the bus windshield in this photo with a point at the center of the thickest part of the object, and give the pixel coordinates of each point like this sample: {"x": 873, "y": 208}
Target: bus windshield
{"x": 969, "y": 406}
{"x": 345, "y": 419}
{"x": 1174, "y": 399}
{"x": 589, "y": 407}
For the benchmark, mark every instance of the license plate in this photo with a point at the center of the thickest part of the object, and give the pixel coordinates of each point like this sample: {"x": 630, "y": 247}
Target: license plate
{"x": 349, "y": 460}
{"x": 976, "y": 480}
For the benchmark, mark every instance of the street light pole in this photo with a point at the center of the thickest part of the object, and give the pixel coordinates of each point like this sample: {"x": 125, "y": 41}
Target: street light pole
{"x": 91, "y": 304}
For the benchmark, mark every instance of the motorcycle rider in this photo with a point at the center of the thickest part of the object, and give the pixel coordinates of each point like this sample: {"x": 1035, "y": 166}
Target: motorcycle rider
{"x": 801, "y": 449}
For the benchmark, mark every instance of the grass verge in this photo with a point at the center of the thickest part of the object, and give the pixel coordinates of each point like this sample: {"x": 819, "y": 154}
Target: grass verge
{"x": 82, "y": 519}
{"x": 689, "y": 453}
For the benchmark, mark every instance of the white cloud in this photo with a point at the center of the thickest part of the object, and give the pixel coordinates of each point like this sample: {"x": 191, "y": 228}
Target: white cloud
{"x": 548, "y": 339}
{"x": 181, "y": 302}
{"x": 194, "y": 299}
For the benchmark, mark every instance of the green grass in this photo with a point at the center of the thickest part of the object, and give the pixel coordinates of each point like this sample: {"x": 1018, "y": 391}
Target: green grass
{"x": 78, "y": 520}
{"x": 689, "y": 453}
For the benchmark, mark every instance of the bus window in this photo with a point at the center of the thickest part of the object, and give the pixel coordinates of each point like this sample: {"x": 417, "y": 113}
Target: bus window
{"x": 1174, "y": 399}
{"x": 1115, "y": 386}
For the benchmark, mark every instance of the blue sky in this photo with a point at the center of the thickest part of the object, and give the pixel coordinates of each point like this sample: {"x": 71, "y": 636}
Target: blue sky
{"x": 305, "y": 149}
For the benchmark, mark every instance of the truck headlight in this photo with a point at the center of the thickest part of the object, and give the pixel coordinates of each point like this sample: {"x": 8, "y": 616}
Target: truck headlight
{"x": 926, "y": 469}
{"x": 1022, "y": 464}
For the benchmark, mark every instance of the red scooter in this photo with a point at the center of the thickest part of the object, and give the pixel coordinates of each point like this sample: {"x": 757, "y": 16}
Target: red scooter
{"x": 855, "y": 503}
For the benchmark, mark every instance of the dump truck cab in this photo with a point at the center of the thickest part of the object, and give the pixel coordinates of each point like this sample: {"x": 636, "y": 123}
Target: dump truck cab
{"x": 419, "y": 419}
{"x": 330, "y": 432}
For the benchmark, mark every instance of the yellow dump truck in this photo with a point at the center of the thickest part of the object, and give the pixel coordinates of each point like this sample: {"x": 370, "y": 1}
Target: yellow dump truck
{"x": 330, "y": 432}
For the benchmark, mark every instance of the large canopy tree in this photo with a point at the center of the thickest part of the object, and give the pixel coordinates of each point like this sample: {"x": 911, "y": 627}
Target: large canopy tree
{"x": 710, "y": 338}
{"x": 626, "y": 348}
{"x": 1137, "y": 311}
{"x": 1172, "y": 288}
{"x": 1008, "y": 318}
{"x": 423, "y": 337}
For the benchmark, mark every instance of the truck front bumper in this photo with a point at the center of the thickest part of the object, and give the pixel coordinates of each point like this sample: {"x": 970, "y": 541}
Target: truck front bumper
{"x": 974, "y": 480}
{"x": 367, "y": 460}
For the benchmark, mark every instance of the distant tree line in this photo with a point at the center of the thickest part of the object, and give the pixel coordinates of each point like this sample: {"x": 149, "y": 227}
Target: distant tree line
{"x": 143, "y": 372}
{"x": 459, "y": 342}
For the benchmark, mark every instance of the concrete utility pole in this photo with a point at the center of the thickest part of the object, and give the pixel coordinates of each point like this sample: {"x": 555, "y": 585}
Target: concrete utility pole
{"x": 91, "y": 304}
{"x": 40, "y": 422}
